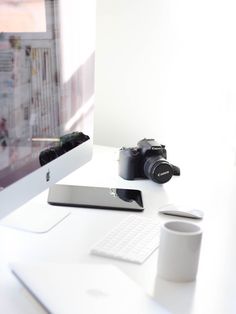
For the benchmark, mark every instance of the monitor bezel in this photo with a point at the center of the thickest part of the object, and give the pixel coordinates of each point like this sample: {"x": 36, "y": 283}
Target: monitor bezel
{"x": 21, "y": 191}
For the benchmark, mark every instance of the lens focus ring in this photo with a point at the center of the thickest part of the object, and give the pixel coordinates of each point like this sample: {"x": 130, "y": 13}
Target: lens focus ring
{"x": 158, "y": 169}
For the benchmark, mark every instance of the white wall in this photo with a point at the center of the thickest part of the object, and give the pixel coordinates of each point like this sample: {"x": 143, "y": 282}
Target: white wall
{"x": 166, "y": 69}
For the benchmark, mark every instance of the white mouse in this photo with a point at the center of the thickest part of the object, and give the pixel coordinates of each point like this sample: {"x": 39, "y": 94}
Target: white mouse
{"x": 181, "y": 211}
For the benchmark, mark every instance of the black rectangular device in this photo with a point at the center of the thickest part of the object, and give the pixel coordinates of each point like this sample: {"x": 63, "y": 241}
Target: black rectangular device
{"x": 96, "y": 197}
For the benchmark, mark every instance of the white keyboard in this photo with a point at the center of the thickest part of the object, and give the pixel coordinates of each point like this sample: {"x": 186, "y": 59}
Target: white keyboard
{"x": 134, "y": 239}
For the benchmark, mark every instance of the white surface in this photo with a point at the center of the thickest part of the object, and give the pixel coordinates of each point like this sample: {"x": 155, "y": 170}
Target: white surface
{"x": 80, "y": 288}
{"x": 39, "y": 219}
{"x": 166, "y": 69}
{"x": 134, "y": 239}
{"x": 70, "y": 242}
{"x": 179, "y": 250}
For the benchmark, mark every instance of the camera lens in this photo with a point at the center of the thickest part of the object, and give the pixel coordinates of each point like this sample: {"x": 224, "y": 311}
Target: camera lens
{"x": 158, "y": 169}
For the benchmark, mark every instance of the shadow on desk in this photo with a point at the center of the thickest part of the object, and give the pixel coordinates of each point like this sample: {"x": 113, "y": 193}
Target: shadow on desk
{"x": 177, "y": 298}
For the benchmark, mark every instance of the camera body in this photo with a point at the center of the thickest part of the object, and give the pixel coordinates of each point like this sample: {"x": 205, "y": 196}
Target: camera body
{"x": 146, "y": 160}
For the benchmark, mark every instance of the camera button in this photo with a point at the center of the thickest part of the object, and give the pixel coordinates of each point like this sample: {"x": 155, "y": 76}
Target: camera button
{"x": 134, "y": 151}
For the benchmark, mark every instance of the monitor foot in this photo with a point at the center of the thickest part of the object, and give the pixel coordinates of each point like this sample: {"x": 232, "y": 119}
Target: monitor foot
{"x": 35, "y": 219}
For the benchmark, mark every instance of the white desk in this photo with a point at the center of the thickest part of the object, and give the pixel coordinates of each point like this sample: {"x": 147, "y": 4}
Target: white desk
{"x": 215, "y": 288}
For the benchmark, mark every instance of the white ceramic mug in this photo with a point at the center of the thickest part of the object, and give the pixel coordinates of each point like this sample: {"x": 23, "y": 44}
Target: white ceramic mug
{"x": 179, "y": 251}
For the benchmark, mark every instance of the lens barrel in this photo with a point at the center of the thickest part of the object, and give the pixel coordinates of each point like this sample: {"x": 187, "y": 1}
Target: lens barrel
{"x": 158, "y": 169}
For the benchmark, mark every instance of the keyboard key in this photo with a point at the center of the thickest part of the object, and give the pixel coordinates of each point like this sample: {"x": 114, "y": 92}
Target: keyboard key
{"x": 134, "y": 239}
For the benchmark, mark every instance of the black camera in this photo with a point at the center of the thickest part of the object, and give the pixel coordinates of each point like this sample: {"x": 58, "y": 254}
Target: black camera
{"x": 146, "y": 160}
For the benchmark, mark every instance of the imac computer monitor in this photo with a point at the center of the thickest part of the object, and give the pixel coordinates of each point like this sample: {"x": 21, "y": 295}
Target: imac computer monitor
{"x": 47, "y": 56}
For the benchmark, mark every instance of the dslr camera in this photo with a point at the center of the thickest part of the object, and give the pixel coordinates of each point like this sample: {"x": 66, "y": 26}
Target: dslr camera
{"x": 146, "y": 160}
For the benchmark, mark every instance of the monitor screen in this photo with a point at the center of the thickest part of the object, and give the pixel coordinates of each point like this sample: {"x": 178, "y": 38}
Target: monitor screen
{"x": 47, "y": 56}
